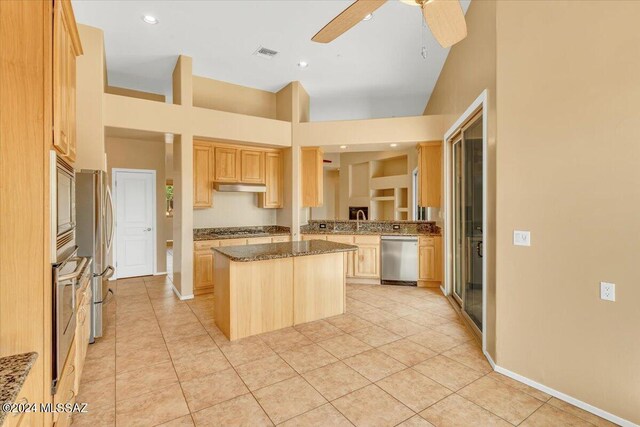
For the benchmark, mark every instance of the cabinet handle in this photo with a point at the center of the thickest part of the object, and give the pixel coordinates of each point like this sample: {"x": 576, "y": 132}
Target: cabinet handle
{"x": 23, "y": 401}
{"x": 72, "y": 369}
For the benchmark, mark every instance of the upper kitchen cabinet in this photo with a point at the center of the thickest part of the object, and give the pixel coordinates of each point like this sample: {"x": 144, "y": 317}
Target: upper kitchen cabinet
{"x": 430, "y": 174}
{"x": 227, "y": 164}
{"x": 312, "y": 176}
{"x": 66, "y": 47}
{"x": 252, "y": 167}
{"x": 273, "y": 197}
{"x": 203, "y": 167}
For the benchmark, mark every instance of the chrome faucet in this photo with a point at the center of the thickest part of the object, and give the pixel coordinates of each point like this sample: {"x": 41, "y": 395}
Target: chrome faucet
{"x": 364, "y": 217}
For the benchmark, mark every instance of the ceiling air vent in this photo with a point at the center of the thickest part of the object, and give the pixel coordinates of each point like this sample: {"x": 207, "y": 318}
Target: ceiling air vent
{"x": 265, "y": 53}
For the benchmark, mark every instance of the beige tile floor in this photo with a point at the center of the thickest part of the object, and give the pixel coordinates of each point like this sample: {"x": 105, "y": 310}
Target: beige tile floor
{"x": 399, "y": 356}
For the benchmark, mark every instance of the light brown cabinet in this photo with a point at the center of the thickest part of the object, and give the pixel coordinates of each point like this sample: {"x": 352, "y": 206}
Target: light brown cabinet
{"x": 312, "y": 176}
{"x": 203, "y": 259}
{"x": 66, "y": 47}
{"x": 252, "y": 166}
{"x": 66, "y": 391}
{"x": 430, "y": 174}
{"x": 274, "y": 179}
{"x": 349, "y": 256}
{"x": 367, "y": 264}
{"x": 217, "y": 162}
{"x": 227, "y": 164}
{"x": 430, "y": 261}
{"x": 203, "y": 165}
{"x": 83, "y": 330}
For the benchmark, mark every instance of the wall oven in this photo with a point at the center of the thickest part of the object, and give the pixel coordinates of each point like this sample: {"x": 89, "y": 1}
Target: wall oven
{"x": 67, "y": 276}
{"x": 63, "y": 208}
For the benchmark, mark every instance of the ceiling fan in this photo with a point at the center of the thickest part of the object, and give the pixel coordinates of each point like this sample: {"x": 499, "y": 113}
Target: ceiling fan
{"x": 444, "y": 17}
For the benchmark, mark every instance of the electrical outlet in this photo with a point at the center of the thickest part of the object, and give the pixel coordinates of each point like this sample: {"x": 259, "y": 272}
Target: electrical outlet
{"x": 608, "y": 291}
{"x": 396, "y": 226}
{"x": 521, "y": 238}
{"x": 323, "y": 225}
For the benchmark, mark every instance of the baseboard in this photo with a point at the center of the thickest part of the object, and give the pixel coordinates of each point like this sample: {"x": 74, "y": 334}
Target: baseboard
{"x": 565, "y": 397}
{"x": 490, "y": 359}
{"x": 181, "y": 297}
{"x": 357, "y": 281}
{"x": 160, "y": 273}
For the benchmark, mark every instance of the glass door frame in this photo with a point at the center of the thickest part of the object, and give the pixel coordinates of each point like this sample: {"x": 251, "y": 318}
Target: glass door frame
{"x": 478, "y": 108}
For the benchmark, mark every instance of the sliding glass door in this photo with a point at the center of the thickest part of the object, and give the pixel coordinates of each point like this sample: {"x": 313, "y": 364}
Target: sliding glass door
{"x": 467, "y": 213}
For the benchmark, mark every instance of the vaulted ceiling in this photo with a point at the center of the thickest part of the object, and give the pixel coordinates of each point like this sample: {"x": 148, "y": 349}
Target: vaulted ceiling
{"x": 374, "y": 70}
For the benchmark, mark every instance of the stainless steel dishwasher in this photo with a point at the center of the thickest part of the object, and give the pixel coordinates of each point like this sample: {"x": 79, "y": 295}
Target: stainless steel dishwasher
{"x": 399, "y": 260}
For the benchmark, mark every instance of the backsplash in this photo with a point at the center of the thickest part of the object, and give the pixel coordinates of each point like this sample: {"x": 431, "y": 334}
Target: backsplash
{"x": 406, "y": 227}
{"x": 255, "y": 231}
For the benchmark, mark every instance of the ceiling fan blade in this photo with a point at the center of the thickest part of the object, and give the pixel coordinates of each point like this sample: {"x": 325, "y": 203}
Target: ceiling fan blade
{"x": 347, "y": 19}
{"x": 446, "y": 21}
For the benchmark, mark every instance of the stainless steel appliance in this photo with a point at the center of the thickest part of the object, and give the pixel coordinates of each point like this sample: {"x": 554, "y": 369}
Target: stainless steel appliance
{"x": 399, "y": 260}
{"x": 94, "y": 236}
{"x": 67, "y": 277}
{"x": 63, "y": 210}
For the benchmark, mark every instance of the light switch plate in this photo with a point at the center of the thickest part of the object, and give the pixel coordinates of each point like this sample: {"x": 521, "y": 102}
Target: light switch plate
{"x": 521, "y": 238}
{"x": 607, "y": 291}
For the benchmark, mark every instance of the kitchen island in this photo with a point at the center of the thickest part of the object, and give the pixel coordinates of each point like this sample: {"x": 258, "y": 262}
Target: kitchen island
{"x": 261, "y": 288}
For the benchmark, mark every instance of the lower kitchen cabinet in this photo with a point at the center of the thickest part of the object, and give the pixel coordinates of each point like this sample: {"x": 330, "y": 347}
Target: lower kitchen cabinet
{"x": 367, "y": 261}
{"x": 349, "y": 256}
{"x": 66, "y": 391}
{"x": 430, "y": 261}
{"x": 83, "y": 331}
{"x": 203, "y": 258}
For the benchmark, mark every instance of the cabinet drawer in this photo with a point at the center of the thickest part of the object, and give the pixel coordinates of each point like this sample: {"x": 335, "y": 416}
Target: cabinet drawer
{"x": 427, "y": 241}
{"x": 367, "y": 240}
{"x": 233, "y": 242}
{"x": 280, "y": 239}
{"x": 258, "y": 240}
{"x": 341, "y": 239}
{"x": 206, "y": 244}
{"x": 314, "y": 237}
{"x": 65, "y": 392}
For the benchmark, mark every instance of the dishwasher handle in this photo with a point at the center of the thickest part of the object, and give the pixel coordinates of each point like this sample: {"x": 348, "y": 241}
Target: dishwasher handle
{"x": 400, "y": 238}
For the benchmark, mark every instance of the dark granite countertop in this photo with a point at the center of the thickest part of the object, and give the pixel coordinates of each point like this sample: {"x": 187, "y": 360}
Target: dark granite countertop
{"x": 221, "y": 233}
{"x": 13, "y": 373}
{"x": 380, "y": 228}
{"x": 282, "y": 250}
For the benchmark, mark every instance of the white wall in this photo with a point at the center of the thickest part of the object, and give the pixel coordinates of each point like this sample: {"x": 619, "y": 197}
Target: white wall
{"x": 233, "y": 210}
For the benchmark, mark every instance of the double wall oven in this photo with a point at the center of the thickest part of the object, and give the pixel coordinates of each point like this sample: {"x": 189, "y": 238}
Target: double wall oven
{"x": 69, "y": 269}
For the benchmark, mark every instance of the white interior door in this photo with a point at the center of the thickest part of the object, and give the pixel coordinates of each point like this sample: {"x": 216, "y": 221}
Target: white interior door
{"x": 135, "y": 222}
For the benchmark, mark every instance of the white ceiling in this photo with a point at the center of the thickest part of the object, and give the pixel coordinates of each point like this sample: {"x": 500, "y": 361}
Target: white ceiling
{"x": 374, "y": 70}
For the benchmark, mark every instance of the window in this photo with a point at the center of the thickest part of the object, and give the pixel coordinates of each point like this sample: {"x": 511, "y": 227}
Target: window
{"x": 169, "y": 197}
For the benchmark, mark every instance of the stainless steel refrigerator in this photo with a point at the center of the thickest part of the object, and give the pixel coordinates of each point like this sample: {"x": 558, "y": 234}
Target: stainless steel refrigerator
{"x": 94, "y": 237}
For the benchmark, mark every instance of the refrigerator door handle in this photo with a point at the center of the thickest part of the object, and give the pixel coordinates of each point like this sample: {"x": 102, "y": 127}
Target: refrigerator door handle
{"x": 113, "y": 220}
{"x": 107, "y": 273}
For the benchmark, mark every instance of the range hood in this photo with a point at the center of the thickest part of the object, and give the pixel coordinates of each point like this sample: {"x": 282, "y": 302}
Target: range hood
{"x": 240, "y": 188}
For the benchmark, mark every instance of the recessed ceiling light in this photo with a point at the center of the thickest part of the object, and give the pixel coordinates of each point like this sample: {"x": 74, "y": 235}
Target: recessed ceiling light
{"x": 367, "y": 17}
{"x": 303, "y": 64}
{"x": 343, "y": 147}
{"x": 393, "y": 145}
{"x": 150, "y": 19}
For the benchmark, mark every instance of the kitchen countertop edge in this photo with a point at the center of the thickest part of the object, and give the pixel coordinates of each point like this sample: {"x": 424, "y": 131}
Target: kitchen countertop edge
{"x": 270, "y": 250}
{"x": 13, "y": 374}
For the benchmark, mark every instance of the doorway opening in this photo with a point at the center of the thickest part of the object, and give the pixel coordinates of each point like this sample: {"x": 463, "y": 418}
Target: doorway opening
{"x": 135, "y": 210}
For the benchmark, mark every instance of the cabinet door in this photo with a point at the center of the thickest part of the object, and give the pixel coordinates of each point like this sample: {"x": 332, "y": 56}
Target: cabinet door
{"x": 349, "y": 256}
{"x": 367, "y": 263}
{"x": 202, "y": 165}
{"x": 203, "y": 266}
{"x": 312, "y": 176}
{"x": 274, "y": 175}
{"x": 227, "y": 165}
{"x": 61, "y": 43}
{"x": 71, "y": 101}
{"x": 427, "y": 262}
{"x": 430, "y": 174}
{"x": 252, "y": 166}
{"x": 280, "y": 239}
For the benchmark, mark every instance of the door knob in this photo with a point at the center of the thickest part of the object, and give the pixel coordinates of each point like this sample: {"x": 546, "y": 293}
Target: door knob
{"x": 148, "y": 229}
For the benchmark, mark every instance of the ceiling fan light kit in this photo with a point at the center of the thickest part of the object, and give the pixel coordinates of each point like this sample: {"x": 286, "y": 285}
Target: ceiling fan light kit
{"x": 444, "y": 17}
